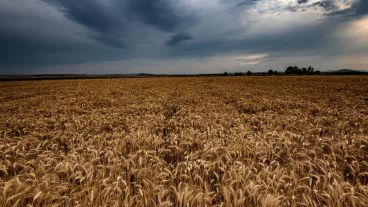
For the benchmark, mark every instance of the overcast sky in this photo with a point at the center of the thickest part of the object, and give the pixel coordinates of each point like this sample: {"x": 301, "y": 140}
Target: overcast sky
{"x": 181, "y": 36}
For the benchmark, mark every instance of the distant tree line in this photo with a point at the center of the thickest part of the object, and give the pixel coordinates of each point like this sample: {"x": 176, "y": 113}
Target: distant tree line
{"x": 234, "y": 74}
{"x": 301, "y": 71}
{"x": 291, "y": 70}
{"x": 249, "y": 73}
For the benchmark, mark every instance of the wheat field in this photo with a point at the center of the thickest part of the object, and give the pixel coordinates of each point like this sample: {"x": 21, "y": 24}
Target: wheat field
{"x": 191, "y": 141}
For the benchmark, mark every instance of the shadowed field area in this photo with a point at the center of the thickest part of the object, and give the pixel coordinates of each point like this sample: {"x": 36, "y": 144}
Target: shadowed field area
{"x": 220, "y": 141}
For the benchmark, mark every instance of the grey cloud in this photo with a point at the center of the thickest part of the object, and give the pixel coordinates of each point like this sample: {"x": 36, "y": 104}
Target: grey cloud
{"x": 178, "y": 38}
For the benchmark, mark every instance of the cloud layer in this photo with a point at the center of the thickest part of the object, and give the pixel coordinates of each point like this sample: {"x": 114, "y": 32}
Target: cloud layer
{"x": 244, "y": 34}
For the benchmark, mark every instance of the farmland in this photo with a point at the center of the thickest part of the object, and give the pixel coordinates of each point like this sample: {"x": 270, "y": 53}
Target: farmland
{"x": 208, "y": 141}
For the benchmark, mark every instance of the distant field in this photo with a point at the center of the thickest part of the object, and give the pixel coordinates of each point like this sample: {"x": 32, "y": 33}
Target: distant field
{"x": 214, "y": 141}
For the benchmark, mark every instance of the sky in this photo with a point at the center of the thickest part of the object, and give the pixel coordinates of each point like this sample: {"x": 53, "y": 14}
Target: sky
{"x": 181, "y": 36}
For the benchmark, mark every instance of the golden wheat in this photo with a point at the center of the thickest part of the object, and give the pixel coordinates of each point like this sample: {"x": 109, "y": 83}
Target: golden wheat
{"x": 230, "y": 141}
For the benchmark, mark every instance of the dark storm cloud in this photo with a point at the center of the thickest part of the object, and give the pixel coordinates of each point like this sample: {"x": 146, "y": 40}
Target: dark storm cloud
{"x": 30, "y": 33}
{"x": 302, "y": 1}
{"x": 178, "y": 38}
{"x": 110, "y": 19}
{"x": 240, "y": 3}
{"x": 295, "y": 41}
{"x": 20, "y": 51}
{"x": 358, "y": 9}
{"x": 39, "y": 32}
{"x": 327, "y": 5}
{"x": 33, "y": 33}
{"x": 105, "y": 19}
{"x": 158, "y": 13}
{"x": 361, "y": 7}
